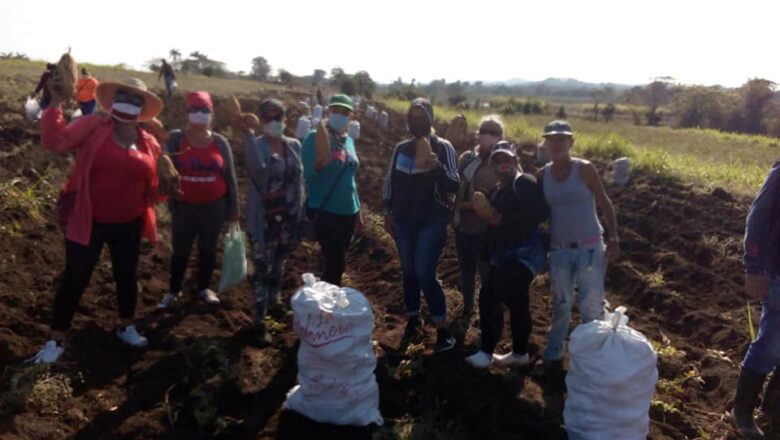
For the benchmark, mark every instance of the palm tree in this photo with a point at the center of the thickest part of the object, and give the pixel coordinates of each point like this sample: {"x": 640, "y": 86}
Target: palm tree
{"x": 175, "y": 57}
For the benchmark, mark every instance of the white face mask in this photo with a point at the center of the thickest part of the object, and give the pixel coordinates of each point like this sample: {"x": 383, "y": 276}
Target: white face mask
{"x": 274, "y": 129}
{"x": 125, "y": 112}
{"x": 199, "y": 118}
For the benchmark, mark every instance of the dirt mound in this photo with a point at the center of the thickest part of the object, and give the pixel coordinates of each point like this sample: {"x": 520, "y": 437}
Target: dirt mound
{"x": 680, "y": 276}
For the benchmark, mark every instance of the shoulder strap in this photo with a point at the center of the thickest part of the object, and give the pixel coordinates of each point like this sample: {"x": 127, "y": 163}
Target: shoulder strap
{"x": 333, "y": 187}
{"x": 175, "y": 141}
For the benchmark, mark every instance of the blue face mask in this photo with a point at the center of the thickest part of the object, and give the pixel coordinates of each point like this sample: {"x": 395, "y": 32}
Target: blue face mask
{"x": 337, "y": 121}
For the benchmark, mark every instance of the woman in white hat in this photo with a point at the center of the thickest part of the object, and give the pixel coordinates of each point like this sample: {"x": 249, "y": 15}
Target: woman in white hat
{"x": 107, "y": 199}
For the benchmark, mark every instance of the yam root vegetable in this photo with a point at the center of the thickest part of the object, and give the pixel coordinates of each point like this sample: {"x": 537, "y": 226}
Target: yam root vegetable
{"x": 67, "y": 71}
{"x": 424, "y": 156}
{"x": 251, "y": 120}
{"x": 322, "y": 146}
{"x": 242, "y": 121}
{"x": 156, "y": 128}
{"x": 481, "y": 205}
{"x": 168, "y": 176}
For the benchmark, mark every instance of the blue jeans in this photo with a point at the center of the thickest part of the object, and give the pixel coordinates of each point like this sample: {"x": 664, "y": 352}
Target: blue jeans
{"x": 763, "y": 355}
{"x": 87, "y": 107}
{"x": 169, "y": 85}
{"x": 420, "y": 243}
{"x": 471, "y": 251}
{"x": 585, "y": 268}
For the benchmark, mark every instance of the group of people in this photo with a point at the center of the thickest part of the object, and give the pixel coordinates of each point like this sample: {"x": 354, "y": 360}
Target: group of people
{"x": 86, "y": 87}
{"x": 496, "y": 209}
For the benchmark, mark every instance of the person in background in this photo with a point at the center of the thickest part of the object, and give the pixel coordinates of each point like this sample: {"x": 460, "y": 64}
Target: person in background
{"x": 422, "y": 175}
{"x": 85, "y": 92}
{"x": 166, "y": 71}
{"x": 275, "y": 205}
{"x": 513, "y": 209}
{"x": 578, "y": 254}
{"x": 330, "y": 182}
{"x": 43, "y": 85}
{"x": 762, "y": 284}
{"x": 476, "y": 173}
{"x": 207, "y": 196}
{"x": 108, "y": 199}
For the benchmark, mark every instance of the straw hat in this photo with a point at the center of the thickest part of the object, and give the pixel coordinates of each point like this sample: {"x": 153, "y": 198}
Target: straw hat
{"x": 106, "y": 91}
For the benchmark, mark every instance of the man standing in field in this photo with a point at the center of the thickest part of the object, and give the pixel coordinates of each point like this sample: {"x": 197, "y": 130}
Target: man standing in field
{"x": 762, "y": 283}
{"x": 170, "y": 78}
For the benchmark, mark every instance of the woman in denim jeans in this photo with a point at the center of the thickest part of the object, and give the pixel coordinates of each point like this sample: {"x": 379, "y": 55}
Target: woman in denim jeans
{"x": 578, "y": 255}
{"x": 422, "y": 176}
{"x": 762, "y": 284}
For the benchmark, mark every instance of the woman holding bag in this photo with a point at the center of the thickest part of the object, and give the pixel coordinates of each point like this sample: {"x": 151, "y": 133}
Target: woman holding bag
{"x": 206, "y": 197}
{"x": 274, "y": 207}
{"x": 108, "y": 199}
{"x": 330, "y": 163}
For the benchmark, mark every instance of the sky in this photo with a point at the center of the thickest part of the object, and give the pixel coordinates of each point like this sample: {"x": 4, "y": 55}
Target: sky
{"x": 628, "y": 41}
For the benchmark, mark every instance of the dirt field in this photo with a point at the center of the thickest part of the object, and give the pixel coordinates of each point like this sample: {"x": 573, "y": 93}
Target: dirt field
{"x": 680, "y": 277}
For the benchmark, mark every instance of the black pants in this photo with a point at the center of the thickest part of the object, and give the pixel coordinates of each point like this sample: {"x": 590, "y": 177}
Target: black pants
{"x": 124, "y": 243}
{"x": 334, "y": 233}
{"x": 471, "y": 254}
{"x": 190, "y": 221}
{"x": 508, "y": 283}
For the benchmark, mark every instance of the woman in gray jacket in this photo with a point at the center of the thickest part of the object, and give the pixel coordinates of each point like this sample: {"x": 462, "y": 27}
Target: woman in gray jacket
{"x": 274, "y": 207}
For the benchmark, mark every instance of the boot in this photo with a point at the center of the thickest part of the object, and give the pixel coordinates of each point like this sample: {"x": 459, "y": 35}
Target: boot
{"x": 749, "y": 387}
{"x": 771, "y": 405}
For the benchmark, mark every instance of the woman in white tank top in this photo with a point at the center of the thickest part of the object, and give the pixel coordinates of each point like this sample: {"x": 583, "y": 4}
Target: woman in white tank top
{"x": 578, "y": 254}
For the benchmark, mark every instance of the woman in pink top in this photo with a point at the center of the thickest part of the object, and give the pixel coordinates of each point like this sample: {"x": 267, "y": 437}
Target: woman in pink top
{"x": 108, "y": 199}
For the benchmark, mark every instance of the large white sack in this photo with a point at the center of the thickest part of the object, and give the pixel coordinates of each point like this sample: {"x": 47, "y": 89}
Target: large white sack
{"x": 336, "y": 359}
{"x": 303, "y": 128}
{"x": 611, "y": 380}
{"x": 384, "y": 119}
{"x": 621, "y": 170}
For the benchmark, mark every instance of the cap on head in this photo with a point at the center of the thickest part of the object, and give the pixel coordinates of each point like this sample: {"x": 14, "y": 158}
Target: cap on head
{"x": 199, "y": 99}
{"x": 558, "y": 127}
{"x": 269, "y": 105}
{"x": 504, "y": 147}
{"x": 425, "y": 105}
{"x": 341, "y": 100}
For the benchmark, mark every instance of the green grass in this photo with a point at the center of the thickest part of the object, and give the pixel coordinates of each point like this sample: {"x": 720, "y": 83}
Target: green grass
{"x": 25, "y": 74}
{"x": 738, "y": 162}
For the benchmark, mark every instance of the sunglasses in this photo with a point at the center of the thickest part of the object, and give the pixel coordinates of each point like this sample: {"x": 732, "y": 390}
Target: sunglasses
{"x": 129, "y": 98}
{"x": 489, "y": 132}
{"x": 198, "y": 108}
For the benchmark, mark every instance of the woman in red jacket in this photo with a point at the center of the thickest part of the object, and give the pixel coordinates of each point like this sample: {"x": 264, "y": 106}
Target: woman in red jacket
{"x": 108, "y": 199}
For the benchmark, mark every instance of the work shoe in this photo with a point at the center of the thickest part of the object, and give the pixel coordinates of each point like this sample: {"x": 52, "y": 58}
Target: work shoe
{"x": 480, "y": 360}
{"x": 512, "y": 359}
{"x": 209, "y": 297}
{"x": 167, "y": 300}
{"x": 129, "y": 335}
{"x": 50, "y": 352}
{"x": 413, "y": 332}
{"x": 444, "y": 340}
{"x": 749, "y": 387}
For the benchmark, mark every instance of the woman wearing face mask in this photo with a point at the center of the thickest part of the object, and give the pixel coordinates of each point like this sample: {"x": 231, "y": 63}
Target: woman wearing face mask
{"x": 207, "y": 196}
{"x": 329, "y": 164}
{"x": 475, "y": 173}
{"x": 422, "y": 175}
{"x": 274, "y": 207}
{"x": 513, "y": 211}
{"x": 108, "y": 199}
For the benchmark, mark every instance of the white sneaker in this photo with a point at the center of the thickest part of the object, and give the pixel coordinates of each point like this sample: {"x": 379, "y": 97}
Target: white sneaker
{"x": 129, "y": 335}
{"x": 168, "y": 300}
{"x": 480, "y": 360}
{"x": 512, "y": 359}
{"x": 50, "y": 352}
{"x": 209, "y": 296}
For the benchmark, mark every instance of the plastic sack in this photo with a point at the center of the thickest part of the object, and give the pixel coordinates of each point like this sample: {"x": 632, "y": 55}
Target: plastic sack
{"x": 611, "y": 380}
{"x": 316, "y": 112}
{"x": 384, "y": 119}
{"x": 336, "y": 359}
{"x": 76, "y": 114}
{"x": 353, "y": 129}
{"x": 303, "y": 128}
{"x": 32, "y": 109}
{"x": 621, "y": 171}
{"x": 233, "y": 258}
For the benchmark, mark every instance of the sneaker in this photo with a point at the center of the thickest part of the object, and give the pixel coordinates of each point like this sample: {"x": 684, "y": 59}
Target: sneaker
{"x": 50, "y": 352}
{"x": 168, "y": 300}
{"x": 480, "y": 360}
{"x": 129, "y": 335}
{"x": 444, "y": 340}
{"x": 512, "y": 359}
{"x": 413, "y": 331}
{"x": 209, "y": 296}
